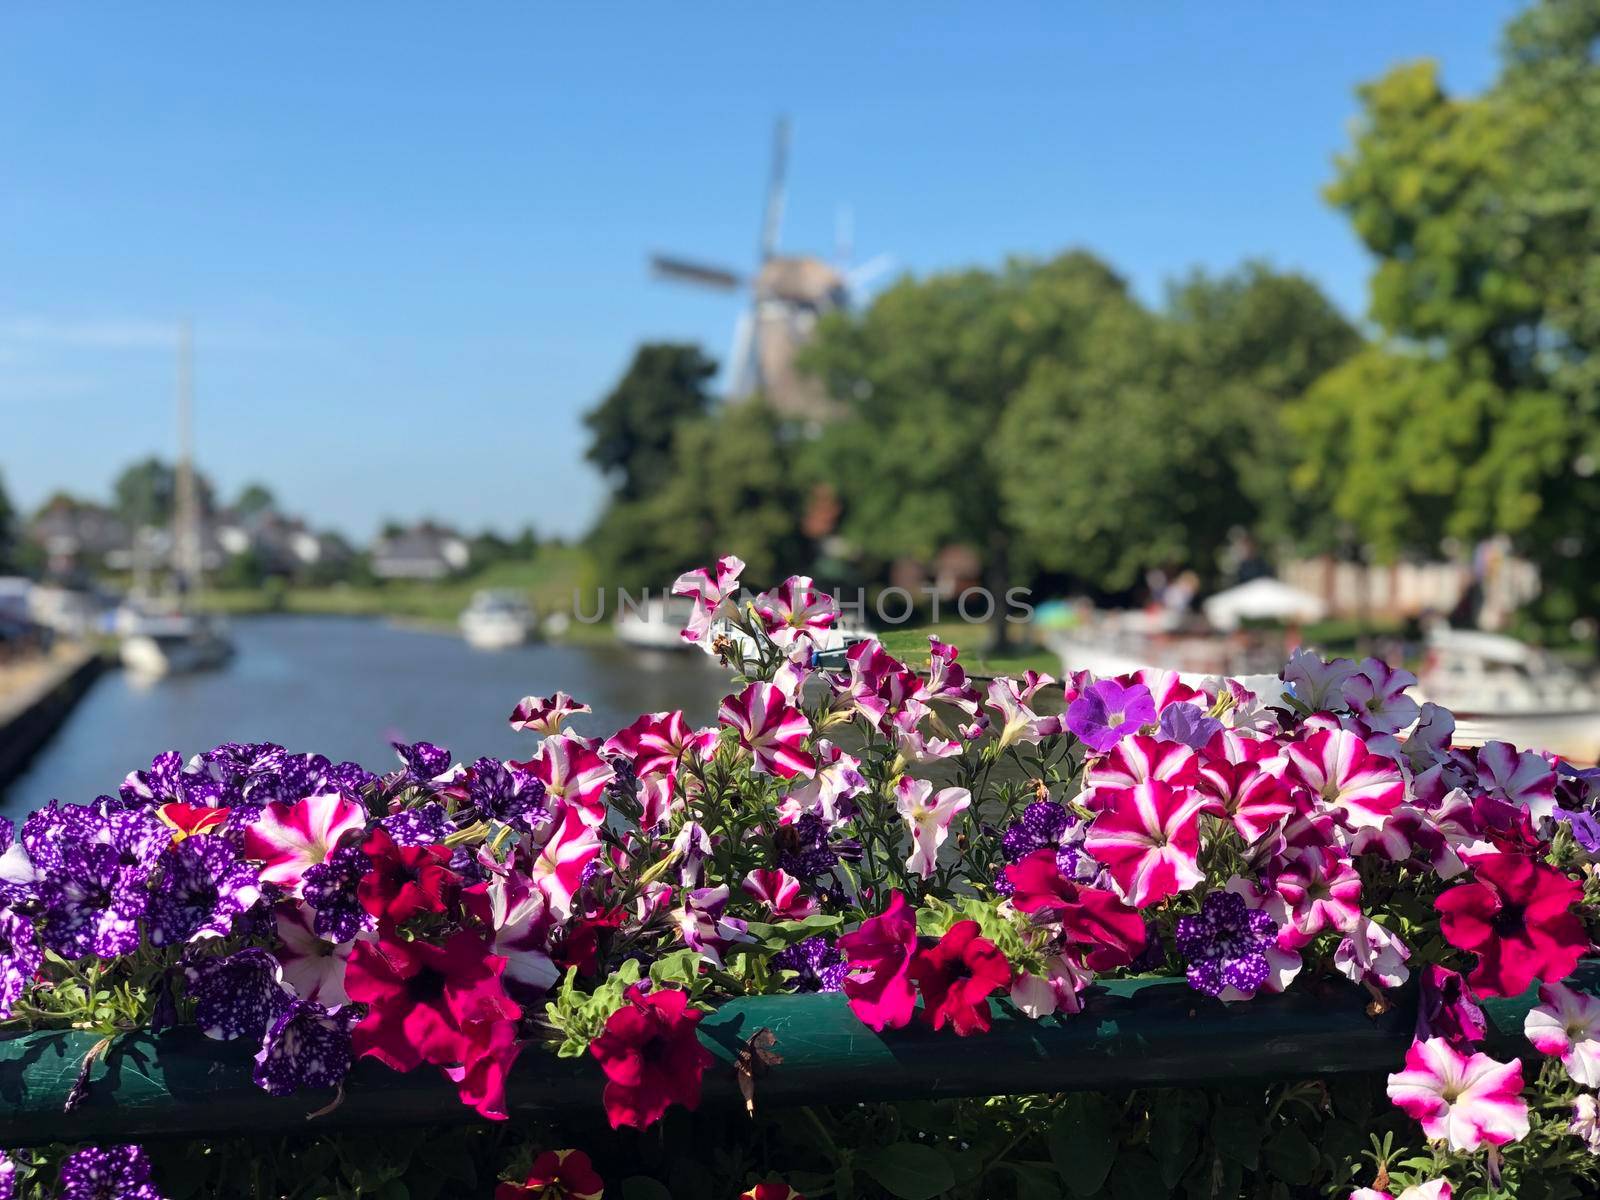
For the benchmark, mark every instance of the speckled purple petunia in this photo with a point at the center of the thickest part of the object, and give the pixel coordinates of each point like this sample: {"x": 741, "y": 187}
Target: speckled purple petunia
{"x": 107, "y": 1173}
{"x": 819, "y": 962}
{"x": 204, "y": 887}
{"x": 1226, "y": 944}
{"x": 426, "y": 824}
{"x": 239, "y": 996}
{"x": 308, "y": 1046}
{"x": 330, "y": 888}
{"x": 20, "y": 958}
{"x": 92, "y": 902}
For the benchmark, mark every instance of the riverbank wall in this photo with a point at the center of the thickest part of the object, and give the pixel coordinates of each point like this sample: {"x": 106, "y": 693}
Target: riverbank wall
{"x": 32, "y": 711}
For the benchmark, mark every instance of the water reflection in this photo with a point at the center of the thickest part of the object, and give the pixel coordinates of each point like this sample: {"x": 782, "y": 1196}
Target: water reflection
{"x": 346, "y": 687}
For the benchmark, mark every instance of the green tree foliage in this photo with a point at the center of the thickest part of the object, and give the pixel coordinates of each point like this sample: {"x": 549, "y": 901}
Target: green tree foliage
{"x": 726, "y": 490}
{"x": 9, "y": 533}
{"x": 634, "y": 426}
{"x": 1480, "y": 411}
{"x": 254, "y": 498}
{"x": 146, "y": 493}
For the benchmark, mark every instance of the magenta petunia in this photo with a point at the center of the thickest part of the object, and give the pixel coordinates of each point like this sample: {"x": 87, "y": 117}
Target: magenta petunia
{"x": 772, "y": 729}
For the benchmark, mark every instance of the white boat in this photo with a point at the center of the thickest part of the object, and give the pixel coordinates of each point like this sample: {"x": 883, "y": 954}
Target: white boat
{"x": 1504, "y": 690}
{"x": 496, "y": 620}
{"x": 656, "y": 624}
{"x": 177, "y": 641}
{"x": 154, "y": 646}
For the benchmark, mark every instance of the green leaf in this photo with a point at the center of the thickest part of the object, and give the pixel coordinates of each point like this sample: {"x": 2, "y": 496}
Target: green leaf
{"x": 908, "y": 1170}
{"x": 1290, "y": 1156}
{"x": 1083, "y": 1141}
{"x": 1237, "y": 1134}
{"x": 642, "y": 1187}
{"x": 1035, "y": 1181}
{"x": 1177, "y": 1119}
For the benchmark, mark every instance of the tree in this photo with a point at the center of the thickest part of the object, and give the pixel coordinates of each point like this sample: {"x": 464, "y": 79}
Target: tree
{"x": 8, "y": 528}
{"x": 254, "y": 498}
{"x": 928, "y": 372}
{"x": 146, "y": 493}
{"x": 726, "y": 490}
{"x": 1480, "y": 410}
{"x": 634, "y": 426}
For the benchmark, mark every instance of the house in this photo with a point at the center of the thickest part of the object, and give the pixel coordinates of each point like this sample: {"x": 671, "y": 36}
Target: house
{"x": 80, "y": 537}
{"x": 425, "y": 551}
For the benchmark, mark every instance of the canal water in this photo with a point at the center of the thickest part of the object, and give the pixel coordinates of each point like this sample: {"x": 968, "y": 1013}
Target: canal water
{"x": 346, "y": 688}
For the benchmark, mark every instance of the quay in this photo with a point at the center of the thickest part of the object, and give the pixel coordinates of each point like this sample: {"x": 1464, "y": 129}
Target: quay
{"x": 36, "y": 696}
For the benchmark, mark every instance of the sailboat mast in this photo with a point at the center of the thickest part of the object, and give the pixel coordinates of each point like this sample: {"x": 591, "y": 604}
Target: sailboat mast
{"x": 187, "y": 540}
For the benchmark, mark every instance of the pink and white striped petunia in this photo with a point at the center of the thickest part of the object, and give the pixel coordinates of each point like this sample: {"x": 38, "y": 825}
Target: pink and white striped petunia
{"x": 1322, "y": 892}
{"x": 1526, "y": 779}
{"x": 544, "y": 714}
{"x": 772, "y": 729}
{"x": 713, "y": 591}
{"x": 288, "y": 838}
{"x": 1135, "y": 759}
{"x": 1434, "y": 1189}
{"x": 558, "y": 867}
{"x": 781, "y": 893}
{"x": 1377, "y": 694}
{"x": 1018, "y": 722}
{"x": 1336, "y": 766}
{"x": 514, "y": 907}
{"x": 1254, "y": 797}
{"x": 928, "y": 815}
{"x": 795, "y": 609}
{"x": 314, "y": 968}
{"x": 1464, "y": 1100}
{"x": 1148, "y": 837}
{"x": 1566, "y": 1024}
{"x": 571, "y": 771}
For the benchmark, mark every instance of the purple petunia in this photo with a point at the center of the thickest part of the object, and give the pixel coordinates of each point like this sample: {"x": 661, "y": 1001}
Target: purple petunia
{"x": 18, "y": 879}
{"x": 424, "y": 762}
{"x": 329, "y": 887}
{"x": 92, "y": 901}
{"x": 107, "y": 1173}
{"x": 20, "y": 958}
{"x": 308, "y": 1046}
{"x": 1585, "y": 828}
{"x": 505, "y": 793}
{"x": 803, "y": 848}
{"x": 1226, "y": 944}
{"x": 1189, "y": 724}
{"x": 203, "y": 889}
{"x": 237, "y": 996}
{"x": 820, "y": 964}
{"x": 8, "y": 1176}
{"x": 1106, "y": 712}
{"x": 425, "y": 824}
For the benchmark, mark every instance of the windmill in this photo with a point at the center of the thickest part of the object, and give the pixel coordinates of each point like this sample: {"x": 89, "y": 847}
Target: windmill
{"x": 788, "y": 294}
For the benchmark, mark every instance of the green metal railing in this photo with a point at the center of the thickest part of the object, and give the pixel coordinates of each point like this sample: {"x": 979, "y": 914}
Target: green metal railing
{"x": 1132, "y": 1033}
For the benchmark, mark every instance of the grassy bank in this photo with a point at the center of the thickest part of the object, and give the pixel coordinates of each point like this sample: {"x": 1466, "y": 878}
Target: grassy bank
{"x": 548, "y": 582}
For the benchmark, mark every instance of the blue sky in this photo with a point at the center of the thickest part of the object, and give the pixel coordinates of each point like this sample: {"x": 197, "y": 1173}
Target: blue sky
{"x": 412, "y": 237}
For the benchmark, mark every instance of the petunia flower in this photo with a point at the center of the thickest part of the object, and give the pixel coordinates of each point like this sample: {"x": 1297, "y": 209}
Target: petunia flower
{"x": 556, "y": 1175}
{"x": 92, "y": 902}
{"x": 957, "y": 976}
{"x": 771, "y": 729}
{"x": 107, "y": 1173}
{"x": 713, "y": 591}
{"x": 307, "y": 1046}
{"x": 1448, "y": 1009}
{"x": 403, "y": 881}
{"x": 423, "y": 763}
{"x": 928, "y": 816}
{"x": 203, "y": 890}
{"x": 1336, "y": 766}
{"x": 1095, "y": 924}
{"x": 544, "y": 714}
{"x": 558, "y": 866}
{"x": 520, "y": 921}
{"x": 1371, "y": 953}
{"x": 795, "y": 610}
{"x": 1315, "y": 683}
{"x": 331, "y": 889}
{"x": 771, "y": 1190}
{"x": 818, "y": 965}
{"x": 1148, "y": 837}
{"x": 1106, "y": 712}
{"x": 781, "y": 892}
{"x": 1585, "y": 1121}
{"x": 651, "y": 1056}
{"x": 1466, "y": 1100}
{"x": 1188, "y": 723}
{"x": 1132, "y": 761}
{"x": 571, "y": 771}
{"x": 491, "y": 1049}
{"x": 1525, "y": 780}
{"x": 1254, "y": 797}
{"x": 703, "y": 927}
{"x": 288, "y": 838}
{"x": 20, "y": 959}
{"x": 1226, "y": 945}
{"x": 237, "y": 996}
{"x": 879, "y": 955}
{"x": 1515, "y": 915}
{"x": 1434, "y": 1189}
{"x": 420, "y": 995}
{"x": 313, "y": 966}
{"x": 1322, "y": 890}
{"x": 1566, "y": 1024}
{"x": 1376, "y": 692}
